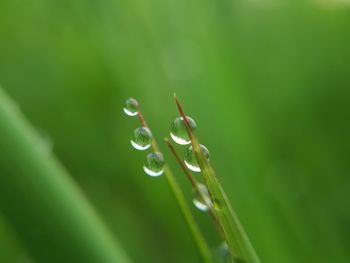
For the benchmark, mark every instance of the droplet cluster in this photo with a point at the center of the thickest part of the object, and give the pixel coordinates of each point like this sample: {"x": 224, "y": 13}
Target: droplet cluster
{"x": 179, "y": 134}
{"x": 142, "y": 140}
{"x": 155, "y": 163}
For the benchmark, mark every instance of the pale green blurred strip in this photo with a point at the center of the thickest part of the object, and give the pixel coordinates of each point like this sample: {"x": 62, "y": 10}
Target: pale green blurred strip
{"x": 44, "y": 205}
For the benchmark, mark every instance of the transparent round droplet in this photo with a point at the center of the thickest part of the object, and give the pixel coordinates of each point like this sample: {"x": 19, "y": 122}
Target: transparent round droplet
{"x": 154, "y": 164}
{"x": 178, "y": 130}
{"x": 190, "y": 158}
{"x": 141, "y": 139}
{"x": 131, "y": 107}
{"x": 202, "y": 201}
{"x": 222, "y": 254}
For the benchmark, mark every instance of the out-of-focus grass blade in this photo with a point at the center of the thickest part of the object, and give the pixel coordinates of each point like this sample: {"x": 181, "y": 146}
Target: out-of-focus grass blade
{"x": 45, "y": 207}
{"x": 236, "y": 238}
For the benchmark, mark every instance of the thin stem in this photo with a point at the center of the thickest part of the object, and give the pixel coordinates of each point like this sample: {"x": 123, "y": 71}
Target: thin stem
{"x": 199, "y": 240}
{"x": 141, "y": 118}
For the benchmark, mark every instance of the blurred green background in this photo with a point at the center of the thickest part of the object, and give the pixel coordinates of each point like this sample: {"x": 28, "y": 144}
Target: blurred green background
{"x": 267, "y": 82}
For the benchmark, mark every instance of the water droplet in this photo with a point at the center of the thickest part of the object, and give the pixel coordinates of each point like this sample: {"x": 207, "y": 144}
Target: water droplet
{"x": 142, "y": 138}
{"x": 202, "y": 201}
{"x": 131, "y": 107}
{"x": 222, "y": 254}
{"x": 178, "y": 130}
{"x": 190, "y": 158}
{"x": 154, "y": 164}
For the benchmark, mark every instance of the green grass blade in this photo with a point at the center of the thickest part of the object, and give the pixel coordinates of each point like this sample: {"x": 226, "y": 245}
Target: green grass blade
{"x": 198, "y": 238}
{"x": 203, "y": 248}
{"x": 45, "y": 207}
{"x": 235, "y": 235}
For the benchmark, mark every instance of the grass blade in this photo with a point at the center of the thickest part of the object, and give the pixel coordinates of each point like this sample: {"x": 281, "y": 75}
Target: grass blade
{"x": 235, "y": 236}
{"x": 202, "y": 246}
{"x": 41, "y": 201}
